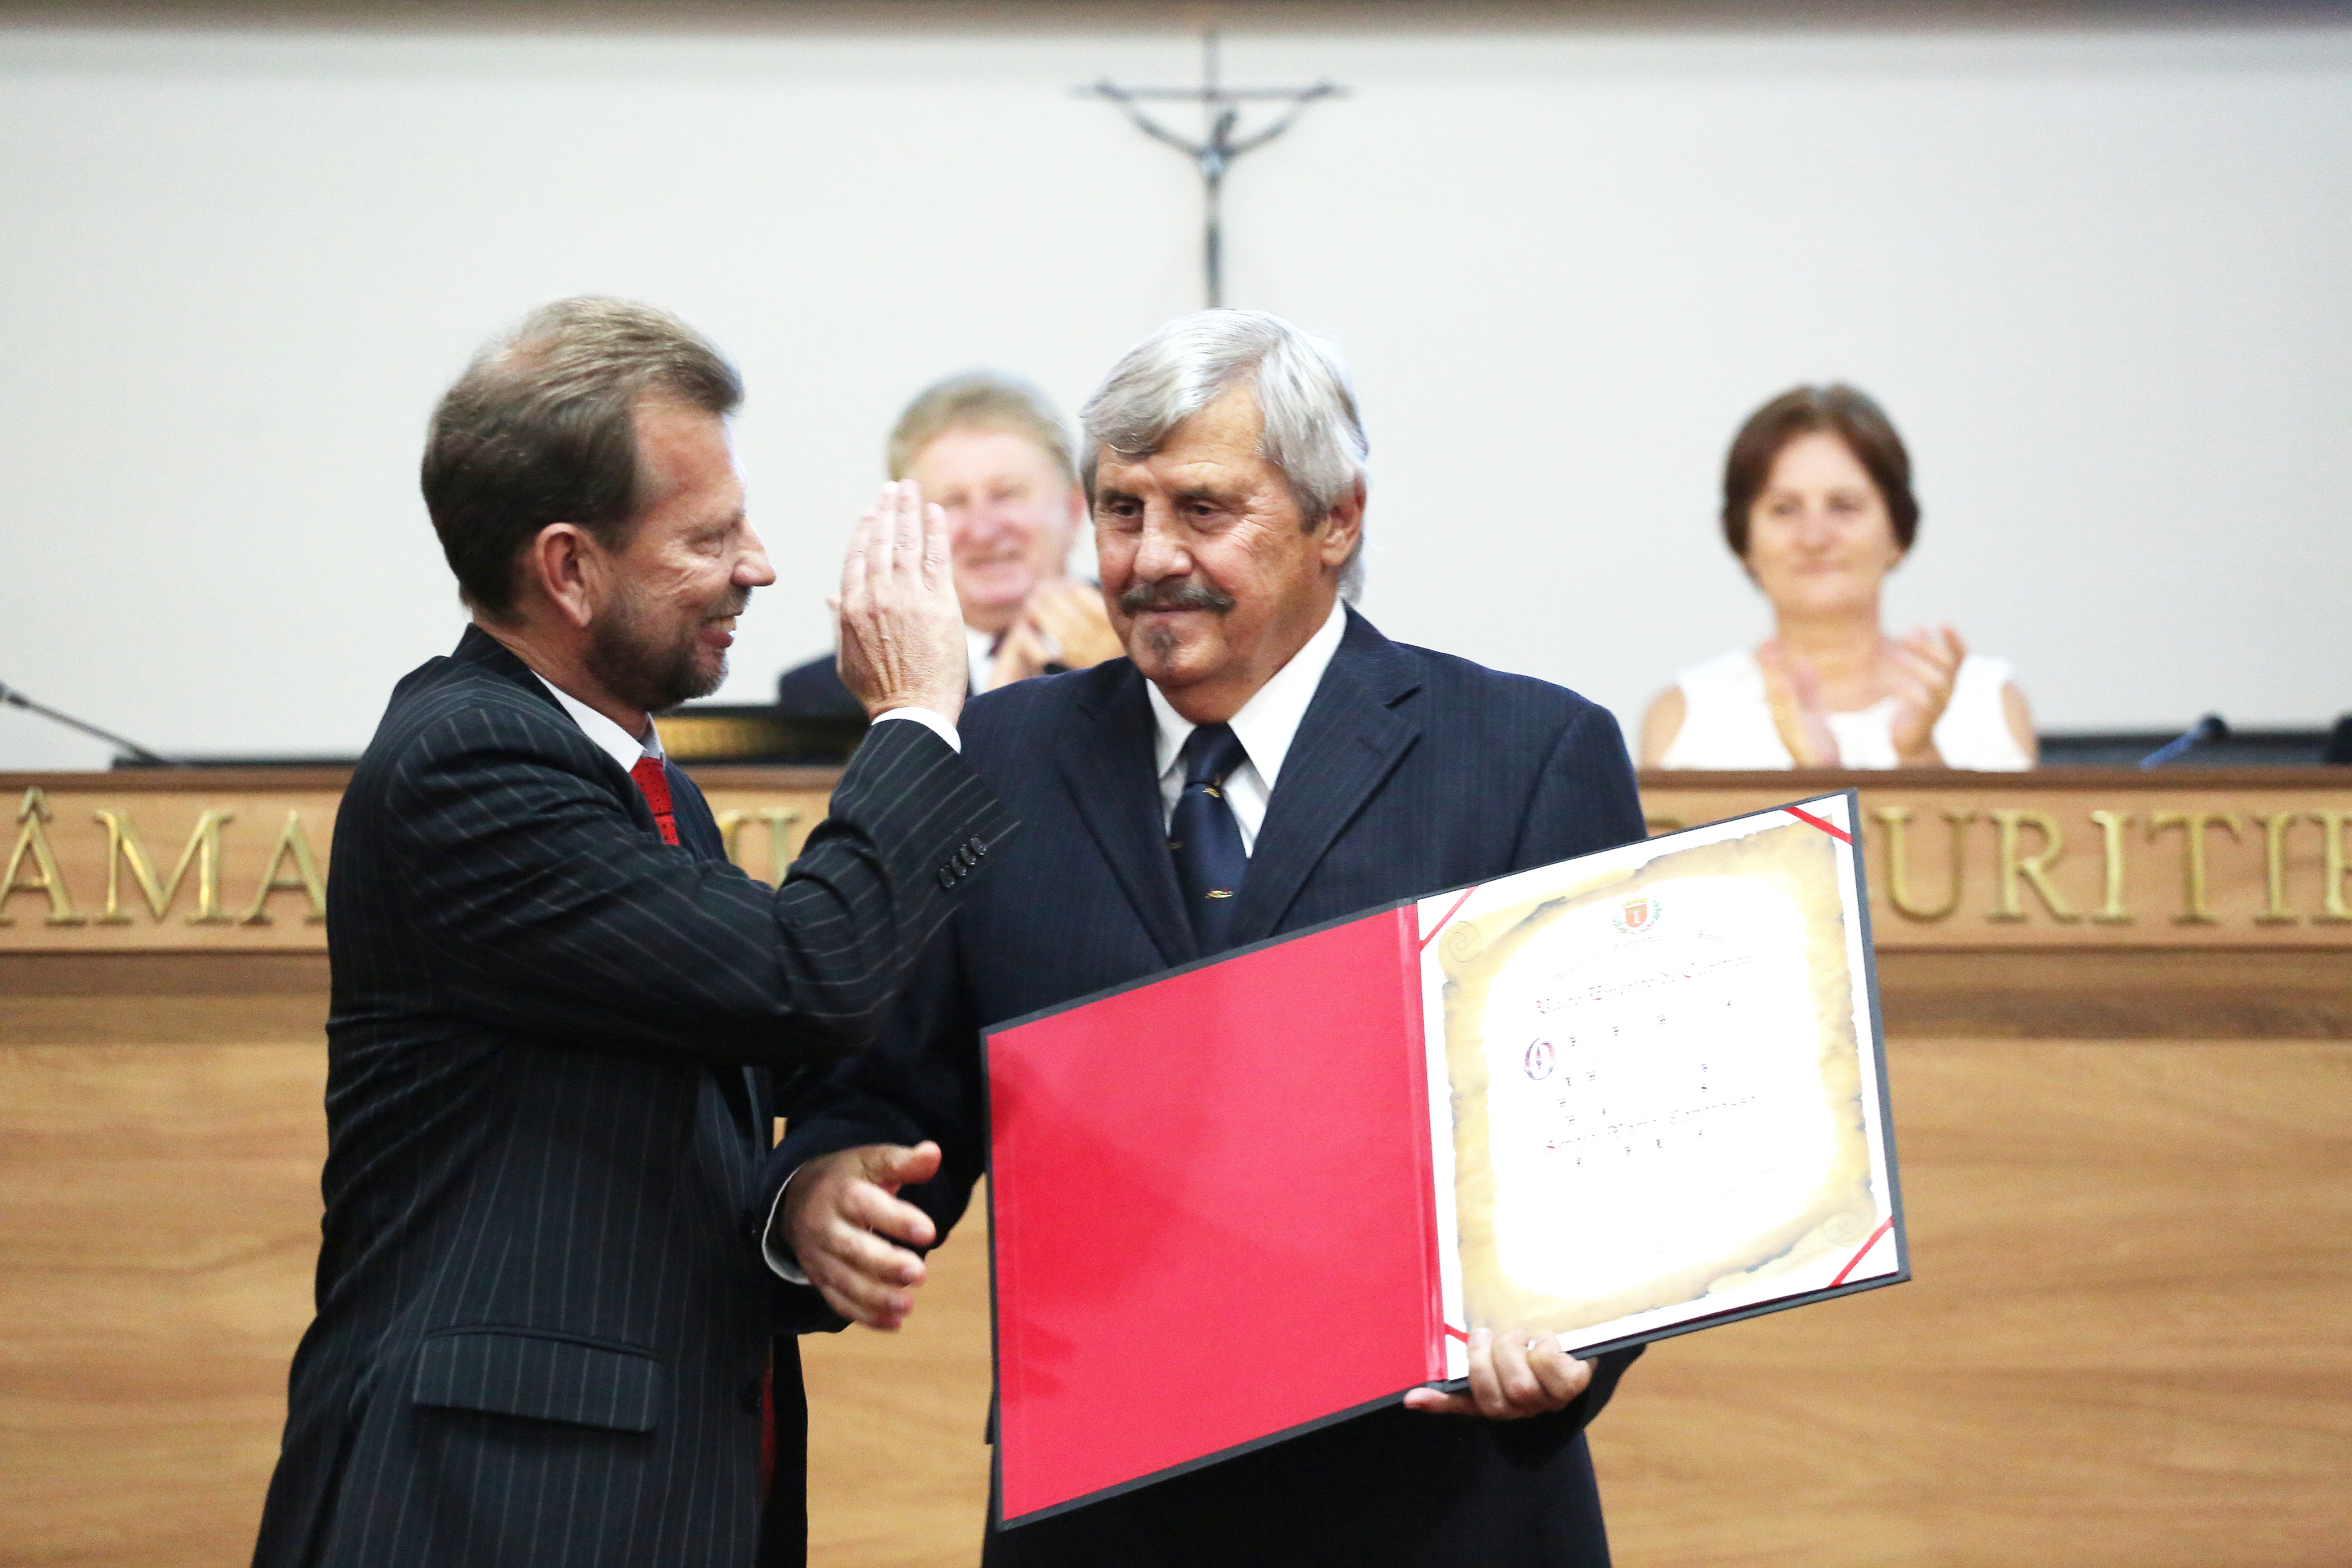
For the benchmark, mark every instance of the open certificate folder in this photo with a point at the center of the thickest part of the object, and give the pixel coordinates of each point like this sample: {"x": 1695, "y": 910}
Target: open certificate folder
{"x": 1627, "y": 1096}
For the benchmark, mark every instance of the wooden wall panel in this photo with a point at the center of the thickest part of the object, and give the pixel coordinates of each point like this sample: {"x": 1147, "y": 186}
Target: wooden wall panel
{"x": 897, "y": 1470}
{"x": 2128, "y": 1341}
{"x": 159, "y": 1213}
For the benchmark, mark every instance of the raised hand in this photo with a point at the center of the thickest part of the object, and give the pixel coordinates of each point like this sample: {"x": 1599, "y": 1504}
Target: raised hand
{"x": 1919, "y": 672}
{"x": 901, "y": 628}
{"x": 1794, "y": 692}
{"x": 839, "y": 1214}
{"x": 1512, "y": 1375}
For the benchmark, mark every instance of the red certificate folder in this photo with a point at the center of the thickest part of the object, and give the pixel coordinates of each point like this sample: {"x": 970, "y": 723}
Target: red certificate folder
{"x": 1252, "y": 1197}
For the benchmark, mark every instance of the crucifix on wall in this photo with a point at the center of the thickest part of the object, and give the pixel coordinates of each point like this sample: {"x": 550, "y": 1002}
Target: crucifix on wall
{"x": 1221, "y": 142}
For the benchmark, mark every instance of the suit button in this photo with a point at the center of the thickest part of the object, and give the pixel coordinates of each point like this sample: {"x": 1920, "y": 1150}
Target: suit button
{"x": 980, "y": 847}
{"x": 947, "y": 877}
{"x": 751, "y": 1394}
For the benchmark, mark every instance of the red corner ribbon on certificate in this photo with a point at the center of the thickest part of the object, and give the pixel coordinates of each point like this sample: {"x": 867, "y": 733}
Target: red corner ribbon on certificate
{"x": 1884, "y": 1226}
{"x": 1831, "y": 829}
{"x": 1448, "y": 918}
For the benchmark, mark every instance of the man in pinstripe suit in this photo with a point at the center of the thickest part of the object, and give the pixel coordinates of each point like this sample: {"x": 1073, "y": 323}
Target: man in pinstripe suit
{"x": 562, "y": 1024}
{"x": 1263, "y": 761}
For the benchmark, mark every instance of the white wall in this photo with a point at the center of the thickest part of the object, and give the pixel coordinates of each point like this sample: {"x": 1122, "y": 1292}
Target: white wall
{"x": 2098, "y": 277}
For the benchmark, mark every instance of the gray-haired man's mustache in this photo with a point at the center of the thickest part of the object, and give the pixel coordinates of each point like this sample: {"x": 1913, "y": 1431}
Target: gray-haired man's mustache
{"x": 1145, "y": 596}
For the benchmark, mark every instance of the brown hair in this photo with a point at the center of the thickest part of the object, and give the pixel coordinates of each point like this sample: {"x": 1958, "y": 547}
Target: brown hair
{"x": 980, "y": 399}
{"x": 541, "y": 429}
{"x": 1844, "y": 412}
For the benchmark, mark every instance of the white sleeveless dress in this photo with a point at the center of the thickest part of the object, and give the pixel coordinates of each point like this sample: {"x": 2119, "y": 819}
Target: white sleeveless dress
{"x": 1727, "y": 724}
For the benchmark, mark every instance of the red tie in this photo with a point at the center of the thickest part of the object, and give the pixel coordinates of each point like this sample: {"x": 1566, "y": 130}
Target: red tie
{"x": 655, "y": 782}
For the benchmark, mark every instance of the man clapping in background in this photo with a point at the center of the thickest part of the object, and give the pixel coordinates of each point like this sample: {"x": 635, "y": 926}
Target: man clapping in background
{"x": 993, "y": 453}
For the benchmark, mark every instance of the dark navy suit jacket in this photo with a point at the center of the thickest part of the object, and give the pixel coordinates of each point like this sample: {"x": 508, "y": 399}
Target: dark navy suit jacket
{"x": 815, "y": 690}
{"x": 552, "y": 1054}
{"x": 1411, "y": 773}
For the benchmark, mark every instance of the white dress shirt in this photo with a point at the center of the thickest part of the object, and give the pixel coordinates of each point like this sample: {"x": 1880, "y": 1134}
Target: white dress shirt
{"x": 610, "y": 738}
{"x": 980, "y": 656}
{"x": 1266, "y": 726}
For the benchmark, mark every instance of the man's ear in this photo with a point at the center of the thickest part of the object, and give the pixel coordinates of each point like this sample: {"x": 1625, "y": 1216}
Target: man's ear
{"x": 564, "y": 563}
{"x": 1342, "y": 526}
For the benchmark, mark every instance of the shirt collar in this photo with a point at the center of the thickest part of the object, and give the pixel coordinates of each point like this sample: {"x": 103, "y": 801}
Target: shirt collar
{"x": 610, "y": 738}
{"x": 1269, "y": 721}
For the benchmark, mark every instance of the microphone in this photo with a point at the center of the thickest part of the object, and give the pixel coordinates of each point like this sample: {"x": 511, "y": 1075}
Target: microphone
{"x": 2209, "y": 728}
{"x": 137, "y": 752}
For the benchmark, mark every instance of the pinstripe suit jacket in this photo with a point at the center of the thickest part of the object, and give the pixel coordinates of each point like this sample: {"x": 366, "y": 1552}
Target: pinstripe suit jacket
{"x": 1411, "y": 771}
{"x": 542, "y": 1317}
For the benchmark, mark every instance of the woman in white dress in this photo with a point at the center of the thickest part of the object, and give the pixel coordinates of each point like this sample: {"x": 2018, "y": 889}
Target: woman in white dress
{"x": 1817, "y": 505}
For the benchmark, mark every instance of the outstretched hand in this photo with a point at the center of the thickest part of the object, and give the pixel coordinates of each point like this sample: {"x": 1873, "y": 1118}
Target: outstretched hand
{"x": 1512, "y": 1376}
{"x": 901, "y": 627}
{"x": 840, "y": 1211}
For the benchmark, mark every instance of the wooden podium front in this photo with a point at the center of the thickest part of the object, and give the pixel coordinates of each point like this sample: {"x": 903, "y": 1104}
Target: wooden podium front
{"x": 2119, "y": 1004}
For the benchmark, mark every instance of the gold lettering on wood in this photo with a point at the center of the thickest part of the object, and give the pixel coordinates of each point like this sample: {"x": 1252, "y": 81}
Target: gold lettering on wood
{"x": 33, "y": 839}
{"x": 123, "y": 848}
{"x": 2111, "y": 830}
{"x": 1897, "y": 820}
{"x": 779, "y": 819}
{"x": 2192, "y": 826}
{"x": 2033, "y": 868}
{"x": 730, "y": 827}
{"x": 2275, "y": 912}
{"x": 293, "y": 844}
{"x": 2331, "y": 904}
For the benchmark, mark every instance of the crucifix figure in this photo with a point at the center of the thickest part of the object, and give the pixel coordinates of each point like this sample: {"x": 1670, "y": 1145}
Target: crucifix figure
{"x": 1219, "y": 146}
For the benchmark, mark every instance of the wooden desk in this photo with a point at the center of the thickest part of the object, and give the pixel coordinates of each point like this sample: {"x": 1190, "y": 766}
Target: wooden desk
{"x": 2123, "y": 1142}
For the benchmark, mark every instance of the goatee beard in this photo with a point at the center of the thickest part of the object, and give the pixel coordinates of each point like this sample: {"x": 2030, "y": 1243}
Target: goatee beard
{"x": 627, "y": 661}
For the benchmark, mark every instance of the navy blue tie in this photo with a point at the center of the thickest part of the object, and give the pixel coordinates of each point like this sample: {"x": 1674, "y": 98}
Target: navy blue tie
{"x": 1204, "y": 838}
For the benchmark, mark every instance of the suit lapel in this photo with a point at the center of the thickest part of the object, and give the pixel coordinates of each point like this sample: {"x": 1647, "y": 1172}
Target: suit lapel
{"x": 1348, "y": 744}
{"x": 1107, "y": 764}
{"x": 698, "y": 830}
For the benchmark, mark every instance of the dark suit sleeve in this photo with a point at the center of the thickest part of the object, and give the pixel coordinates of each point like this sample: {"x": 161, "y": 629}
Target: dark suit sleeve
{"x": 551, "y": 910}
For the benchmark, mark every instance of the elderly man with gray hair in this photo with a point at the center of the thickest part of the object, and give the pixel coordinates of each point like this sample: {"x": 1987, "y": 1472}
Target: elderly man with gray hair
{"x": 1262, "y": 761}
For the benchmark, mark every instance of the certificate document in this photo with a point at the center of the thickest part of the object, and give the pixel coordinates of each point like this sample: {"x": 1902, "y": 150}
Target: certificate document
{"x": 1623, "y": 1097}
{"x": 1657, "y": 1082}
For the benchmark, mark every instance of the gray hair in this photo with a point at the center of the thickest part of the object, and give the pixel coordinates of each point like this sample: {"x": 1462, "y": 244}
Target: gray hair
{"x": 1312, "y": 431}
{"x": 980, "y": 399}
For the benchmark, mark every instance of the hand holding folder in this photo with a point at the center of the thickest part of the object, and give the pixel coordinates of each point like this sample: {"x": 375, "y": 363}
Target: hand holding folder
{"x": 1512, "y": 1375}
